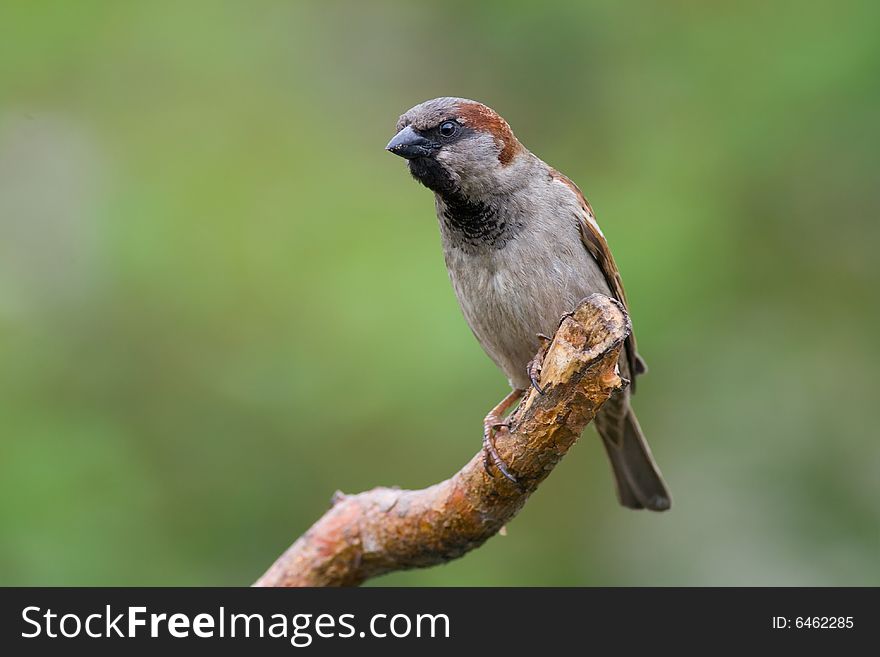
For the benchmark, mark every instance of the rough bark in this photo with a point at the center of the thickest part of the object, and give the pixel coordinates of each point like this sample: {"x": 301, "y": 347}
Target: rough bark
{"x": 388, "y": 529}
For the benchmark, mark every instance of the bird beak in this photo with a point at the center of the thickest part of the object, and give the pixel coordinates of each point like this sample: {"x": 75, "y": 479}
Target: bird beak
{"x": 409, "y": 144}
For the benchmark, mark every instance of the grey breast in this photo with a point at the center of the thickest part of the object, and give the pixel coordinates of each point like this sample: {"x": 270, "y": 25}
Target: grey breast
{"x": 521, "y": 282}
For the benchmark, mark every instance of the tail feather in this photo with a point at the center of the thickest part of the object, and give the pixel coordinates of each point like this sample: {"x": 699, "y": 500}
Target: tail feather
{"x": 639, "y": 482}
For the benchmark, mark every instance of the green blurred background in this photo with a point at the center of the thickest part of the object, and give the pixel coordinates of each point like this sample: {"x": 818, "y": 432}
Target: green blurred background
{"x": 221, "y": 300}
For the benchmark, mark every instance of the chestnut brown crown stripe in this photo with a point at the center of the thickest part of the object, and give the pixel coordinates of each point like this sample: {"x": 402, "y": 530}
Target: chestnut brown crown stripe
{"x": 480, "y": 117}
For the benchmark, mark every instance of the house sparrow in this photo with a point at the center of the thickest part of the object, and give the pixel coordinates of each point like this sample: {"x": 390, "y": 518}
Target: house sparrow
{"x": 522, "y": 248}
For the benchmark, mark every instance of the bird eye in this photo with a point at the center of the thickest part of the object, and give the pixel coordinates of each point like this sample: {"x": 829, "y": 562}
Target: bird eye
{"x": 448, "y": 128}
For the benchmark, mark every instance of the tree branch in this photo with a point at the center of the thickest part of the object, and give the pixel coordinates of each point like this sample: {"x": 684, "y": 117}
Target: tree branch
{"x": 388, "y": 529}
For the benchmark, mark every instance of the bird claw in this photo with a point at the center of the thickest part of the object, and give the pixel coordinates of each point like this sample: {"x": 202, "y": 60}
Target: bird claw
{"x": 533, "y": 369}
{"x": 536, "y": 385}
{"x": 490, "y": 453}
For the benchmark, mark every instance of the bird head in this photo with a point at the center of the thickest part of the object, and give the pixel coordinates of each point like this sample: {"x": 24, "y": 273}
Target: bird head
{"x": 457, "y": 146}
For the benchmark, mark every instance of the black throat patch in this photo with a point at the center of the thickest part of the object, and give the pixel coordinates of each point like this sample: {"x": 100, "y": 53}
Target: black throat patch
{"x": 468, "y": 223}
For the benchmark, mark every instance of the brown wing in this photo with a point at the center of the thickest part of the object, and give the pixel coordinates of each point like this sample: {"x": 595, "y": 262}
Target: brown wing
{"x": 596, "y": 244}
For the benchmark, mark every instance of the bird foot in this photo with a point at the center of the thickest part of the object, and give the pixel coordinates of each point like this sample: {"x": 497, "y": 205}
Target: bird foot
{"x": 533, "y": 369}
{"x": 493, "y": 423}
{"x": 491, "y": 426}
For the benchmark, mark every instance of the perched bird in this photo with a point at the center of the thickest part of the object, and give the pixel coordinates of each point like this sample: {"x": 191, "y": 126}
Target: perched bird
{"x": 522, "y": 248}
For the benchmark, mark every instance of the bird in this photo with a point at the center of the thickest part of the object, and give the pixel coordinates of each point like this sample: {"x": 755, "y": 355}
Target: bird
{"x": 522, "y": 248}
